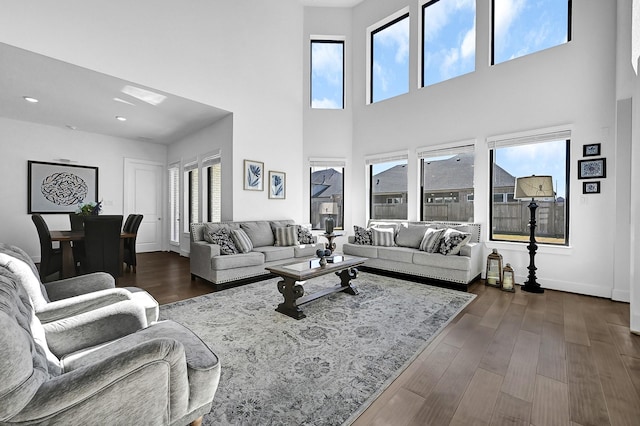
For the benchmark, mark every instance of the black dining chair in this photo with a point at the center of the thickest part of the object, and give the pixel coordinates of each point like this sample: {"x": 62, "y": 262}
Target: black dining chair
{"x": 131, "y": 226}
{"x": 102, "y": 244}
{"x": 50, "y": 258}
{"x": 77, "y": 224}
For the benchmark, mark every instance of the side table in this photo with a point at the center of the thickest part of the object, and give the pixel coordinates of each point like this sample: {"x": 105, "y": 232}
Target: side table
{"x": 331, "y": 245}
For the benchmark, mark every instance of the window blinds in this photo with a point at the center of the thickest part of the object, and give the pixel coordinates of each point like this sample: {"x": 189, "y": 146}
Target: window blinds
{"x": 525, "y": 139}
{"x": 428, "y": 152}
{"x": 327, "y": 162}
{"x": 386, "y": 158}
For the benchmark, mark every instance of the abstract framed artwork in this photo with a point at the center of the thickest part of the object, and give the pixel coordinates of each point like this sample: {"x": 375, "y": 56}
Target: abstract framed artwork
{"x": 253, "y": 175}
{"x": 277, "y": 185}
{"x": 59, "y": 188}
{"x": 591, "y": 150}
{"x": 591, "y": 187}
{"x": 590, "y": 169}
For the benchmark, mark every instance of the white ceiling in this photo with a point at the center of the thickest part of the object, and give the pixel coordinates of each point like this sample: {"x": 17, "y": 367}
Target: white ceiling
{"x": 70, "y": 95}
{"x": 331, "y": 3}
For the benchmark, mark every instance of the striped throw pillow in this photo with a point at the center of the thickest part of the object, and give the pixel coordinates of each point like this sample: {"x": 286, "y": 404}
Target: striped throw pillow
{"x": 286, "y": 236}
{"x": 383, "y": 237}
{"x": 431, "y": 240}
{"x": 241, "y": 240}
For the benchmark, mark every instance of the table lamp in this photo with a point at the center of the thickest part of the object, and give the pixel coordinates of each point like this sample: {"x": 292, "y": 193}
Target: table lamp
{"x": 533, "y": 187}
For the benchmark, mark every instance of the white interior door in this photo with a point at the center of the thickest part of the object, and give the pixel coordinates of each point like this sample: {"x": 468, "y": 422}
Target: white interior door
{"x": 143, "y": 195}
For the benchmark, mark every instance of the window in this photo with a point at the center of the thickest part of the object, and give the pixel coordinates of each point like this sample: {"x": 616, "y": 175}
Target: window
{"x": 191, "y": 195}
{"x": 327, "y": 74}
{"x": 327, "y": 193}
{"x": 448, "y": 39}
{"x": 447, "y": 183}
{"x": 174, "y": 203}
{"x": 520, "y": 27}
{"x": 389, "y": 70}
{"x": 212, "y": 188}
{"x": 538, "y": 155}
{"x": 388, "y": 189}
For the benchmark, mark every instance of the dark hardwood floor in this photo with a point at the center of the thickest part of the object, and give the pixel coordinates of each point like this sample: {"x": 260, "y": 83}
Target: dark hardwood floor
{"x": 509, "y": 358}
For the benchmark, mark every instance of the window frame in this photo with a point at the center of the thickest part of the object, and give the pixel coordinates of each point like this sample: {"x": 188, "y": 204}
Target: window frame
{"x": 327, "y": 164}
{"x": 372, "y": 31}
{"x": 370, "y": 162}
{"x": 493, "y": 31}
{"x": 327, "y": 40}
{"x": 506, "y": 198}
{"x": 208, "y": 163}
{"x": 174, "y": 203}
{"x": 188, "y": 170}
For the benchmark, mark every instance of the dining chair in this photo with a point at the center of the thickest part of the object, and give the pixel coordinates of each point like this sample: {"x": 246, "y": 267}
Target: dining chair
{"x": 102, "y": 244}
{"x": 50, "y": 258}
{"x": 77, "y": 224}
{"x": 131, "y": 226}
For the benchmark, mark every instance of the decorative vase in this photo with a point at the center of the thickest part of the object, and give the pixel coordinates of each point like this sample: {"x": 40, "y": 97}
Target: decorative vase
{"x": 77, "y": 222}
{"x": 328, "y": 225}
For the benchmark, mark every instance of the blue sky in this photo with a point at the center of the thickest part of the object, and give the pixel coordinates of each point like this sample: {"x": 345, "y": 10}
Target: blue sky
{"x": 327, "y": 75}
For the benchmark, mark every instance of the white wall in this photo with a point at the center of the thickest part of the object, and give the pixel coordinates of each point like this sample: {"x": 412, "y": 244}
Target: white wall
{"x": 572, "y": 84}
{"x": 23, "y": 141}
{"x": 243, "y": 56}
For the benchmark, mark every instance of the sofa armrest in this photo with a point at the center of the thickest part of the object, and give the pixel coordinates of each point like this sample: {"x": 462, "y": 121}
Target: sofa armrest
{"x": 94, "y": 328}
{"x": 152, "y": 373}
{"x": 200, "y": 257}
{"x": 76, "y": 305}
{"x": 83, "y": 284}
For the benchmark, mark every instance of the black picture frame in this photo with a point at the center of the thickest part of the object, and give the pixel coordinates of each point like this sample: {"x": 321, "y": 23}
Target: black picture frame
{"x": 58, "y": 188}
{"x": 591, "y": 187}
{"x": 591, "y": 150}
{"x": 590, "y": 169}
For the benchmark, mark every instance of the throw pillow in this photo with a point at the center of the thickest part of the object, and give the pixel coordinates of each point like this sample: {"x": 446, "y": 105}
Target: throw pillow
{"x": 383, "y": 237}
{"x": 362, "y": 235}
{"x": 452, "y": 241}
{"x": 286, "y": 236}
{"x": 410, "y": 236}
{"x": 222, "y": 238}
{"x": 431, "y": 241}
{"x": 241, "y": 240}
{"x": 259, "y": 233}
{"x": 304, "y": 235}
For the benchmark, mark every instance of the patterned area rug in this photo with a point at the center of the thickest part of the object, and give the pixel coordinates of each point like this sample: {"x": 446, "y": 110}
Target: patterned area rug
{"x": 324, "y": 369}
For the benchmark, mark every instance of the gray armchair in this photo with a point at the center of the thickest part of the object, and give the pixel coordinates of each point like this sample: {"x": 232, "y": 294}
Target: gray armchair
{"x": 99, "y": 367}
{"x": 59, "y": 299}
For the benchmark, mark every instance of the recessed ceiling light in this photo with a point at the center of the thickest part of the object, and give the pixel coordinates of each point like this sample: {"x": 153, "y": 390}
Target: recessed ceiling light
{"x": 30, "y": 99}
{"x": 121, "y": 118}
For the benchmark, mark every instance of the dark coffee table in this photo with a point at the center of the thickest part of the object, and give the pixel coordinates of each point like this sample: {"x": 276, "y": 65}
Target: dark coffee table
{"x": 295, "y": 274}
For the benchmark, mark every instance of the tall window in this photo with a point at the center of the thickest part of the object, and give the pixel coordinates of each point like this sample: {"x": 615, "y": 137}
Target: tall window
{"x": 390, "y": 59}
{"x": 327, "y": 194}
{"x": 447, "y": 184}
{"x": 174, "y": 203}
{"x": 327, "y": 74}
{"x": 191, "y": 194}
{"x": 448, "y": 39}
{"x": 388, "y": 189}
{"x": 212, "y": 193}
{"x": 521, "y": 27}
{"x": 543, "y": 155}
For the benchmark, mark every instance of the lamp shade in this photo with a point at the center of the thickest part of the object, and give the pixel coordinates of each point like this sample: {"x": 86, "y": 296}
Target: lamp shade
{"x": 328, "y": 208}
{"x": 534, "y": 187}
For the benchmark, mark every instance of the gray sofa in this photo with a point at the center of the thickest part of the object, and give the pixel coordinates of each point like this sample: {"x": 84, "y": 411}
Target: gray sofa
{"x": 102, "y": 366}
{"x": 210, "y": 263}
{"x": 404, "y": 256}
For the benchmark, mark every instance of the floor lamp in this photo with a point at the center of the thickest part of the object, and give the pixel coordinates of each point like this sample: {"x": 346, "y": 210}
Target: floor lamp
{"x": 533, "y": 187}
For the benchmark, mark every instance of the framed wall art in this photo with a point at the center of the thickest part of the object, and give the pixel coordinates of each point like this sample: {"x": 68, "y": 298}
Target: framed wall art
{"x": 59, "y": 188}
{"x": 591, "y": 187}
{"x": 253, "y": 175}
{"x": 591, "y": 150}
{"x": 590, "y": 169}
{"x": 277, "y": 185}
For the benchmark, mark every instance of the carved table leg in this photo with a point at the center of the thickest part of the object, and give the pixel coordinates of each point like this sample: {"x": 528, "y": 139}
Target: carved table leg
{"x": 291, "y": 292}
{"x": 346, "y": 275}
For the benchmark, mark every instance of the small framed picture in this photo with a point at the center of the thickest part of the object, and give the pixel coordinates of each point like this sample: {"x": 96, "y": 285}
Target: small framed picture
{"x": 589, "y": 169}
{"x": 591, "y": 187}
{"x": 277, "y": 185}
{"x": 253, "y": 175}
{"x": 591, "y": 150}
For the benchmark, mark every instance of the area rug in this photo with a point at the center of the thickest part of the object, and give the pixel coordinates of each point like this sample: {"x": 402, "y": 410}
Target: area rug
{"x": 324, "y": 369}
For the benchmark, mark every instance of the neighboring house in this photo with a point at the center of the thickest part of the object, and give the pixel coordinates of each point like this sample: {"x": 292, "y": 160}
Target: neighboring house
{"x": 326, "y": 191}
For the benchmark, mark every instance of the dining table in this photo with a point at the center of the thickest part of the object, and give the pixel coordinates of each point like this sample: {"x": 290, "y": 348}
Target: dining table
{"x": 65, "y": 238}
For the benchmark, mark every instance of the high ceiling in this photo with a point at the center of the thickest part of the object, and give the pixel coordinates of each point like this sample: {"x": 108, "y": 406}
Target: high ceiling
{"x": 331, "y": 3}
{"x": 77, "y": 98}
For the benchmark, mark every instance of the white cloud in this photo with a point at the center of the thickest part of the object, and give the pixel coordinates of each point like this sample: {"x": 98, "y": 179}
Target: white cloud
{"x": 327, "y": 62}
{"x": 438, "y": 15}
{"x": 380, "y": 74}
{"x": 449, "y": 63}
{"x": 396, "y": 35}
{"x": 324, "y": 103}
{"x": 468, "y": 48}
{"x": 506, "y": 11}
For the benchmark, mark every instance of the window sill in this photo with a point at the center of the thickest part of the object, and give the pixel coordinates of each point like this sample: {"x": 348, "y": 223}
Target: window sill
{"x": 517, "y": 246}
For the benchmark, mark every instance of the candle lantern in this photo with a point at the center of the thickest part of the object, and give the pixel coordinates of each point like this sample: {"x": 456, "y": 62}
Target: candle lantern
{"x": 494, "y": 269}
{"x": 508, "y": 279}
